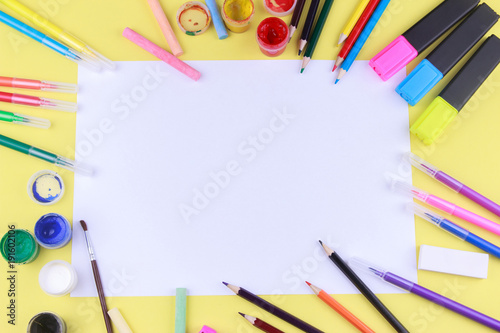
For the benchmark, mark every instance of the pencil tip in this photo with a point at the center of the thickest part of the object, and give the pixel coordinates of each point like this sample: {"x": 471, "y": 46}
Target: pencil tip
{"x": 300, "y": 51}
{"x": 308, "y": 283}
{"x": 320, "y": 242}
{"x": 334, "y": 68}
{"x": 225, "y": 283}
{"x": 337, "y": 81}
{"x": 84, "y": 225}
{"x": 302, "y": 70}
{"x": 242, "y": 314}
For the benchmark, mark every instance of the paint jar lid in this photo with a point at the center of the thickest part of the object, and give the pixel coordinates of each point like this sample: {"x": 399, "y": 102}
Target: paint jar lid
{"x": 57, "y": 278}
{"x": 18, "y": 246}
{"x": 52, "y": 231}
{"x": 46, "y": 322}
{"x": 46, "y": 187}
{"x": 280, "y": 7}
{"x": 193, "y": 18}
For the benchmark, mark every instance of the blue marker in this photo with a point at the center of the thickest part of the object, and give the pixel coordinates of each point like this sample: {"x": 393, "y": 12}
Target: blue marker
{"x": 456, "y": 230}
{"x": 440, "y": 61}
{"x": 217, "y": 19}
{"x": 363, "y": 37}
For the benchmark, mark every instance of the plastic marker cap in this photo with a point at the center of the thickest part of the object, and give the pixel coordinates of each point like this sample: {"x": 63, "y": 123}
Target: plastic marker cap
{"x": 420, "y": 81}
{"x": 393, "y": 58}
{"x": 434, "y": 120}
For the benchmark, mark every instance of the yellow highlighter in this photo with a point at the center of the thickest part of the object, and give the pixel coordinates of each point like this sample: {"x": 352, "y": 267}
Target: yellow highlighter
{"x": 353, "y": 20}
{"x": 57, "y": 32}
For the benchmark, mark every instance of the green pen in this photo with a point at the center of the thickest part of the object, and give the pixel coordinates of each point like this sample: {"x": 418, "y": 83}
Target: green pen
{"x": 22, "y": 119}
{"x": 24, "y": 148}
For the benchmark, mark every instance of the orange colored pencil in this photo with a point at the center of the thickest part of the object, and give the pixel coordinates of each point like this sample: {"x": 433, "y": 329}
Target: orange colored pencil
{"x": 340, "y": 309}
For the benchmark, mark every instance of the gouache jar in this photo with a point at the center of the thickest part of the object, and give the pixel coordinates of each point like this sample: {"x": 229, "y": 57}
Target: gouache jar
{"x": 18, "y": 246}
{"x": 272, "y": 36}
{"x": 46, "y": 322}
{"x": 237, "y": 14}
{"x": 52, "y": 231}
{"x": 57, "y": 278}
{"x": 193, "y": 18}
{"x": 46, "y": 187}
{"x": 280, "y": 7}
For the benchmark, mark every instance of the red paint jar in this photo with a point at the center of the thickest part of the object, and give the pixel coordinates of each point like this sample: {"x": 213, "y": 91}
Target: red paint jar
{"x": 272, "y": 36}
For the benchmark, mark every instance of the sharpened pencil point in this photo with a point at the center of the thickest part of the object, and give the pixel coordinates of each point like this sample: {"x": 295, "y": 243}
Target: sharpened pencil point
{"x": 225, "y": 283}
{"x": 320, "y": 242}
{"x": 334, "y": 68}
{"x": 242, "y": 314}
{"x": 337, "y": 81}
{"x": 300, "y": 51}
{"x": 308, "y": 283}
{"x": 302, "y": 70}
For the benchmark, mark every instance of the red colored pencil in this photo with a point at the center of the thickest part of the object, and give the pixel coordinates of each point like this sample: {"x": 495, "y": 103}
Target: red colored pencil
{"x": 260, "y": 324}
{"x": 356, "y": 31}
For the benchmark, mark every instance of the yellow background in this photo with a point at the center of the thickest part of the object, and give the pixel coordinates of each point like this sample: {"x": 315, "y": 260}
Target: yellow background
{"x": 468, "y": 151}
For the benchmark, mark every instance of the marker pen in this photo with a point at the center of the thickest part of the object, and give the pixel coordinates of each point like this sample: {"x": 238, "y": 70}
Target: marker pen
{"x": 415, "y": 40}
{"x": 458, "y": 92}
{"x": 440, "y": 61}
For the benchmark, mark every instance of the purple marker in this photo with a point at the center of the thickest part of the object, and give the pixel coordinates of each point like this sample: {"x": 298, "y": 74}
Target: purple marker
{"x": 426, "y": 293}
{"x": 454, "y": 184}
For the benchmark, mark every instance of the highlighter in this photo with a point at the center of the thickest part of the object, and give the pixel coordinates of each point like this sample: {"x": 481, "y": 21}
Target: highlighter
{"x": 418, "y": 38}
{"x": 440, "y": 61}
{"x": 458, "y": 92}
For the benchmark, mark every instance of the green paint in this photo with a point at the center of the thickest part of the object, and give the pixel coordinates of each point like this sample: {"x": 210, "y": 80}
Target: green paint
{"x": 19, "y": 246}
{"x": 180, "y": 310}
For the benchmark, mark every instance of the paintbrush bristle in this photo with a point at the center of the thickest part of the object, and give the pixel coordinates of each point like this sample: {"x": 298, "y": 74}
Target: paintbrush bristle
{"x": 84, "y": 225}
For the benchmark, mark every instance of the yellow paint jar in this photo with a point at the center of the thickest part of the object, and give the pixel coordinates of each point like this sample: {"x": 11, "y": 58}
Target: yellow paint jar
{"x": 237, "y": 14}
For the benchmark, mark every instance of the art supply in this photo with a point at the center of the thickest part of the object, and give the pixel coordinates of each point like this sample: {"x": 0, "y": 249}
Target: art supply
{"x": 363, "y": 37}
{"x": 165, "y": 27}
{"x": 331, "y": 302}
{"x": 297, "y": 12}
{"x": 363, "y": 288}
{"x": 220, "y": 28}
{"x": 353, "y": 20}
{"x": 272, "y": 309}
{"x": 440, "y": 61}
{"x": 21, "y": 119}
{"x": 206, "y": 329}
{"x": 308, "y": 24}
{"x": 452, "y": 183}
{"x": 180, "y": 310}
{"x": 57, "y": 32}
{"x": 161, "y": 54}
{"x": 18, "y": 246}
{"x": 46, "y": 187}
{"x": 119, "y": 321}
{"x": 237, "y": 14}
{"x": 44, "y": 85}
{"x": 450, "y": 261}
{"x": 97, "y": 278}
{"x": 260, "y": 324}
{"x": 52, "y": 231}
{"x": 418, "y": 290}
{"x": 447, "y": 207}
{"x": 420, "y": 36}
{"x": 46, "y": 322}
{"x": 38, "y": 102}
{"x": 323, "y": 16}
{"x": 272, "y": 36}
{"x": 57, "y": 278}
{"x": 57, "y": 160}
{"x": 193, "y": 18}
{"x": 280, "y": 7}
{"x": 60, "y": 48}
{"x": 354, "y": 35}
{"x": 454, "y": 229}
{"x": 458, "y": 92}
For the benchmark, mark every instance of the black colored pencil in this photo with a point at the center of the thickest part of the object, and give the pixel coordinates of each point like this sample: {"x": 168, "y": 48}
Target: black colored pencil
{"x": 297, "y": 12}
{"x": 272, "y": 309}
{"x": 363, "y": 288}
{"x": 306, "y": 31}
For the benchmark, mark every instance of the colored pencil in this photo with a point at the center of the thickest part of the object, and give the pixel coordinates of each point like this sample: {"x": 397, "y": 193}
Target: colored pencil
{"x": 297, "y": 12}
{"x": 97, "y": 278}
{"x": 331, "y": 302}
{"x": 306, "y": 30}
{"x": 367, "y": 31}
{"x": 323, "y": 16}
{"x": 165, "y": 27}
{"x": 354, "y": 35}
{"x": 272, "y": 309}
{"x": 363, "y": 288}
{"x": 260, "y": 324}
{"x": 352, "y": 21}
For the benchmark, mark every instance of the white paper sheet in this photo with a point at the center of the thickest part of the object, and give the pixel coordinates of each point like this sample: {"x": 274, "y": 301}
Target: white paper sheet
{"x": 280, "y": 159}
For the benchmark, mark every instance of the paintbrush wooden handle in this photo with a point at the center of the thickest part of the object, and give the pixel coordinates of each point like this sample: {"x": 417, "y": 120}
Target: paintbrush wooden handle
{"x": 100, "y": 292}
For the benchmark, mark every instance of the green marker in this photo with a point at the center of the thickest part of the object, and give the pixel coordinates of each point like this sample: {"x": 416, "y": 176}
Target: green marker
{"x": 60, "y": 161}
{"x": 21, "y": 119}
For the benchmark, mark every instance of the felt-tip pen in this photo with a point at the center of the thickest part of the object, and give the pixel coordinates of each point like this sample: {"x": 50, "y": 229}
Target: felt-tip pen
{"x": 44, "y": 85}
{"x": 44, "y": 103}
{"x": 22, "y": 119}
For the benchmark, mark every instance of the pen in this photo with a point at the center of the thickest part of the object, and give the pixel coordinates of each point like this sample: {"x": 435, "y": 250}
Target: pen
{"x": 45, "y": 103}
{"x": 38, "y": 85}
{"x": 452, "y": 183}
{"x": 427, "y": 294}
{"x": 21, "y": 119}
{"x": 456, "y": 230}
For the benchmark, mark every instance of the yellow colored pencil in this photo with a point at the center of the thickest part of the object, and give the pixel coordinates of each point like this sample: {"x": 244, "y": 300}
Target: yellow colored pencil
{"x": 352, "y": 21}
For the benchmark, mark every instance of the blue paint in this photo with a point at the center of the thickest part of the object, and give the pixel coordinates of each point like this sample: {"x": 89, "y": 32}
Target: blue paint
{"x": 52, "y": 231}
{"x": 47, "y": 188}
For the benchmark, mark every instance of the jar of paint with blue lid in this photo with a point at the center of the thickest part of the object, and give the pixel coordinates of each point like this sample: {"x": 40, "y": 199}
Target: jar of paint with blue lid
{"x": 46, "y": 187}
{"x": 52, "y": 231}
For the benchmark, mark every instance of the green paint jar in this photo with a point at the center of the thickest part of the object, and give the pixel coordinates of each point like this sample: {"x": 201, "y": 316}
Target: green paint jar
{"x": 18, "y": 246}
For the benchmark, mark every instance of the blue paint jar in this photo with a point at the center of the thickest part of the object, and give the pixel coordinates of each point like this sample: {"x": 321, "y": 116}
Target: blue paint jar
{"x": 52, "y": 231}
{"x": 46, "y": 187}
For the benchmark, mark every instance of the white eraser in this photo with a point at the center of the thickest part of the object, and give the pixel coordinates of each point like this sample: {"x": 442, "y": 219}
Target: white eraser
{"x": 450, "y": 261}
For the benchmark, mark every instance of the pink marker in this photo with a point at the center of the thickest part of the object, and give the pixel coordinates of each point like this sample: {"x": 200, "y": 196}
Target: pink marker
{"x": 161, "y": 54}
{"x": 40, "y": 102}
{"x": 38, "y": 85}
{"x": 447, "y": 207}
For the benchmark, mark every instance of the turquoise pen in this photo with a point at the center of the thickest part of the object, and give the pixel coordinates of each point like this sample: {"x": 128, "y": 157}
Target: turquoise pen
{"x": 44, "y": 155}
{"x": 22, "y": 119}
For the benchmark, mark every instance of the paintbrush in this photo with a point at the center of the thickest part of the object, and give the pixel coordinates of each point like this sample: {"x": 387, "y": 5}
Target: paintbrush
{"x": 97, "y": 278}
